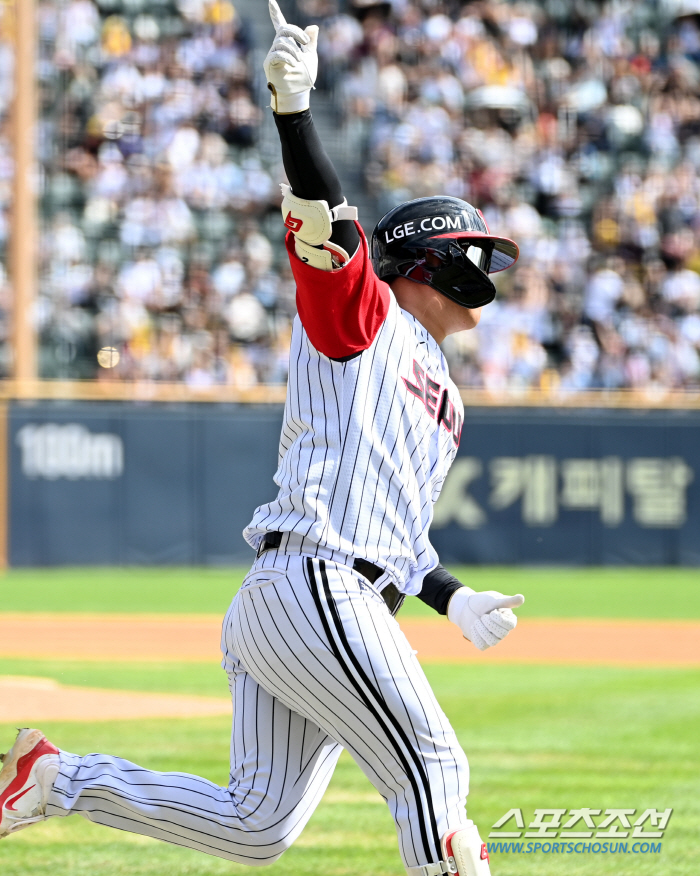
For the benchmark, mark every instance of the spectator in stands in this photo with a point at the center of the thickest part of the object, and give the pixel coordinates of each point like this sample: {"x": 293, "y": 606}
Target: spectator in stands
{"x": 575, "y": 127}
{"x": 577, "y": 130}
{"x": 153, "y": 194}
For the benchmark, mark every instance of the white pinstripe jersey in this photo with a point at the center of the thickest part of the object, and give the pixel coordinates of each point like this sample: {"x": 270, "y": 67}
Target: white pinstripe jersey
{"x": 365, "y": 447}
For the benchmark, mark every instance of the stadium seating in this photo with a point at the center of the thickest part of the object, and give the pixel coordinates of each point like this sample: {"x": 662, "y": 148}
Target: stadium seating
{"x": 154, "y": 198}
{"x": 574, "y": 126}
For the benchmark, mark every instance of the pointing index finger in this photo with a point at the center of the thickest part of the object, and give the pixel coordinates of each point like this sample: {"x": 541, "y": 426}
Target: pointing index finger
{"x": 278, "y": 20}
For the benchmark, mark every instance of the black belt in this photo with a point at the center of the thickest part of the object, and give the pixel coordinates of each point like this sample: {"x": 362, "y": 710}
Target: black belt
{"x": 368, "y": 570}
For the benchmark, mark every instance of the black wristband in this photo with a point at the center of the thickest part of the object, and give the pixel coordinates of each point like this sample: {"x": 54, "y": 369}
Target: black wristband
{"x": 438, "y": 587}
{"x": 311, "y": 173}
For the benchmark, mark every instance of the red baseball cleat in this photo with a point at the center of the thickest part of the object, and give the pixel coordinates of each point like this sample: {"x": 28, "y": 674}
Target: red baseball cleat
{"x": 28, "y": 772}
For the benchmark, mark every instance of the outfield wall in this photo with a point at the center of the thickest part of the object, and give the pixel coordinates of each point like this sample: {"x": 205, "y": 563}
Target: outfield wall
{"x": 112, "y": 483}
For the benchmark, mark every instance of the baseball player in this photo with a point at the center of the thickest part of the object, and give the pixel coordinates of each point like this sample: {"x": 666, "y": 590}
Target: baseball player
{"x": 315, "y": 658}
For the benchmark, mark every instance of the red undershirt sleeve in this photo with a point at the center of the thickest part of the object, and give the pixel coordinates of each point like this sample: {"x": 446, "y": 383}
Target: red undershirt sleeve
{"x": 341, "y": 310}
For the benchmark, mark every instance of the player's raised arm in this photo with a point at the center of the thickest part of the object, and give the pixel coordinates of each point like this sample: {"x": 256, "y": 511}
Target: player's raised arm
{"x": 341, "y": 313}
{"x": 314, "y": 208}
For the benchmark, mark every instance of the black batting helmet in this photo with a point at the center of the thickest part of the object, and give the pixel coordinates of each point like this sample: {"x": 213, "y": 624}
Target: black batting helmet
{"x": 442, "y": 242}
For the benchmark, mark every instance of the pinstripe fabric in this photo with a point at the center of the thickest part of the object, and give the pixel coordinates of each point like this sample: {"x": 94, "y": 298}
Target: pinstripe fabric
{"x": 362, "y": 455}
{"x": 281, "y": 764}
{"x": 315, "y": 663}
{"x": 320, "y": 638}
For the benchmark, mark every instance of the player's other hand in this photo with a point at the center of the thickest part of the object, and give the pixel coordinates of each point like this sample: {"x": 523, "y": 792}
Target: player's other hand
{"x": 484, "y": 618}
{"x": 291, "y": 64}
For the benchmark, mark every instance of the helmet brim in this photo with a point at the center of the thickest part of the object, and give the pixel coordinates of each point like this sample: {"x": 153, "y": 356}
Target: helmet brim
{"x": 505, "y": 251}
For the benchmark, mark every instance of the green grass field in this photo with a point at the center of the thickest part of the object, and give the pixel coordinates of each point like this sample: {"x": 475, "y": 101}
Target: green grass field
{"x": 537, "y": 736}
{"x": 549, "y": 592}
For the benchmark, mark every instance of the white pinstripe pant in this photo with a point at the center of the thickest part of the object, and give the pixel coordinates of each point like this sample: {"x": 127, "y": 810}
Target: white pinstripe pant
{"x": 316, "y": 664}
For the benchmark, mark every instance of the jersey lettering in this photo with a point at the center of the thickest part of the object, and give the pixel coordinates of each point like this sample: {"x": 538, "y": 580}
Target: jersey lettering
{"x": 457, "y": 429}
{"x": 359, "y": 466}
{"x": 446, "y": 415}
{"x": 417, "y": 388}
{"x": 432, "y": 390}
{"x": 428, "y": 391}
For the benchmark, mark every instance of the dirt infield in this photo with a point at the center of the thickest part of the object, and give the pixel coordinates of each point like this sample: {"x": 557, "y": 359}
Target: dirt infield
{"x": 160, "y": 638}
{"x": 33, "y": 700}
{"x": 177, "y": 638}
{"x": 611, "y": 642}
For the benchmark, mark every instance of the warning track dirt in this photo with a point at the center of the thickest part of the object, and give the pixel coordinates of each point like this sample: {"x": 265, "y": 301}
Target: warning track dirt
{"x": 180, "y": 638}
{"x": 156, "y": 638}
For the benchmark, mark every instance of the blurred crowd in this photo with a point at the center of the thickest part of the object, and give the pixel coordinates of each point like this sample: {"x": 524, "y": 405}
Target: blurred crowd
{"x": 155, "y": 201}
{"x": 575, "y": 127}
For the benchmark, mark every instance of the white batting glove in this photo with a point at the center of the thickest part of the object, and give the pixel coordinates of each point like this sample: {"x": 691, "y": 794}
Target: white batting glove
{"x": 484, "y": 618}
{"x": 291, "y": 64}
